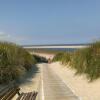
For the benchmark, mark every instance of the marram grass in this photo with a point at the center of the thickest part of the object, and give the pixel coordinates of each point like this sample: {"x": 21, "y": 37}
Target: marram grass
{"x": 14, "y": 62}
{"x": 85, "y": 60}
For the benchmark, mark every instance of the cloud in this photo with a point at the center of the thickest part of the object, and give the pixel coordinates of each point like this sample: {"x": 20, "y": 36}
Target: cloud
{"x": 1, "y": 33}
{"x": 8, "y": 37}
{"x": 4, "y": 36}
{"x": 15, "y": 38}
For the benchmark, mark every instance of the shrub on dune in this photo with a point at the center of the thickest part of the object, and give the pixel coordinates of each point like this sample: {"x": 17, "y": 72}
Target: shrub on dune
{"x": 88, "y": 61}
{"x": 81, "y": 60}
{"x": 58, "y": 56}
{"x": 93, "y": 69}
{"x": 14, "y": 62}
{"x": 66, "y": 58}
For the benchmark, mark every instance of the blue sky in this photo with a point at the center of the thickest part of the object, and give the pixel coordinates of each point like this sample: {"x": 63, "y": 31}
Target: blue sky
{"x": 49, "y": 21}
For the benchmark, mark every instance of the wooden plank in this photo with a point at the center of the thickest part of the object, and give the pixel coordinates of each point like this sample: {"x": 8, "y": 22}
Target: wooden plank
{"x": 31, "y": 96}
{"x": 20, "y": 96}
{"x": 4, "y": 92}
{"x": 10, "y": 94}
{"x": 24, "y": 96}
{"x": 13, "y": 94}
{"x": 34, "y": 96}
{"x": 12, "y": 84}
{"x": 28, "y": 96}
{"x": 6, "y": 89}
{"x": 7, "y": 94}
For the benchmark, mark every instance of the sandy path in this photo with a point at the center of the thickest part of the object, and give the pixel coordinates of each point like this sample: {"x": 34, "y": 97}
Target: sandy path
{"x": 79, "y": 84}
{"x": 53, "y": 88}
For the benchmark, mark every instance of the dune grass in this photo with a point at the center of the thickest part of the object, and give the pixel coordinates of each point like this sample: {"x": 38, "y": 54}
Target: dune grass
{"x": 14, "y": 62}
{"x": 64, "y": 57}
{"x": 85, "y": 60}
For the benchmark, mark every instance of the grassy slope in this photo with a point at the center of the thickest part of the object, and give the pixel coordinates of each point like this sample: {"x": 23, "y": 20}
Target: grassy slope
{"x": 14, "y": 62}
{"x": 86, "y": 60}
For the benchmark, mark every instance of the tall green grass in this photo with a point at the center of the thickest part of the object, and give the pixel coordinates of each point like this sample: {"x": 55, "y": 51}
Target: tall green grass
{"x": 85, "y": 60}
{"x": 58, "y": 56}
{"x": 14, "y": 62}
{"x": 64, "y": 57}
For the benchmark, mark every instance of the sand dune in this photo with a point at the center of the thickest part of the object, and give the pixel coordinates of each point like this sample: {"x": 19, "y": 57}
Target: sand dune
{"x": 79, "y": 84}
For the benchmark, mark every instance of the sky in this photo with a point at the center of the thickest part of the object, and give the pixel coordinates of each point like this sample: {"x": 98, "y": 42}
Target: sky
{"x": 30, "y": 22}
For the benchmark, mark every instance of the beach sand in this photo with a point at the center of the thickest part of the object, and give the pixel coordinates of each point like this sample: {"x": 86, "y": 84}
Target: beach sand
{"x": 78, "y": 84}
{"x": 47, "y": 56}
{"x": 30, "y": 82}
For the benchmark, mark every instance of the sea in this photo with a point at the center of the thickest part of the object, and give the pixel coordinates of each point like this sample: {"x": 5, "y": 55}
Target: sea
{"x": 62, "y": 49}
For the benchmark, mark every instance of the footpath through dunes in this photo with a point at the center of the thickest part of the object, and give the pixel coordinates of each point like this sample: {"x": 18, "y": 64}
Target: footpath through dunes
{"x": 57, "y": 82}
{"x": 52, "y": 87}
{"x": 78, "y": 83}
